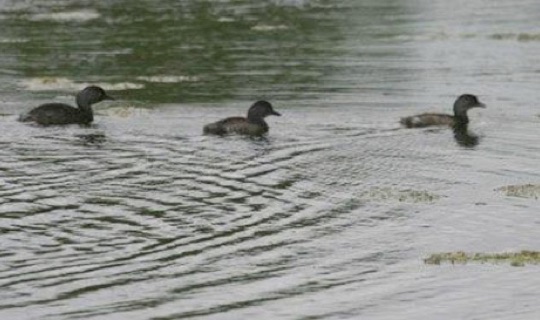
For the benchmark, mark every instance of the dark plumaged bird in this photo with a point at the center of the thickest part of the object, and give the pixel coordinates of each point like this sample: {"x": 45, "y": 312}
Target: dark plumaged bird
{"x": 253, "y": 125}
{"x": 461, "y": 106}
{"x": 61, "y": 113}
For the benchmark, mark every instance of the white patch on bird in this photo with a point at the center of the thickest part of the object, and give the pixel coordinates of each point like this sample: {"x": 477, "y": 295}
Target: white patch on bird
{"x": 416, "y": 120}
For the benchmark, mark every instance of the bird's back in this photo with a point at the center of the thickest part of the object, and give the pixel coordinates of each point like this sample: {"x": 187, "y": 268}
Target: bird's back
{"x": 237, "y": 125}
{"x": 427, "y": 120}
{"x": 53, "y": 114}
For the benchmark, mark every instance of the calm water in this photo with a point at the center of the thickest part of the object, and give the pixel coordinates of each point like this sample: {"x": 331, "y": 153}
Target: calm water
{"x": 329, "y": 217}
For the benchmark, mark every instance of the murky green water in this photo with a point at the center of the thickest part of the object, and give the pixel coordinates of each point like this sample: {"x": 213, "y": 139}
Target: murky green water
{"x": 330, "y": 216}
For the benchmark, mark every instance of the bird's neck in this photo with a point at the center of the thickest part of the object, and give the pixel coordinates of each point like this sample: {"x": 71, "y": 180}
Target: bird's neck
{"x": 87, "y": 115}
{"x": 259, "y": 122}
{"x": 460, "y": 124}
{"x": 461, "y": 118}
{"x": 256, "y": 119}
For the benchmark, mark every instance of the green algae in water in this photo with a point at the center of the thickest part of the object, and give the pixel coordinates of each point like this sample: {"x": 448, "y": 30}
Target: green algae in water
{"x": 408, "y": 196}
{"x": 521, "y": 191}
{"x": 516, "y": 259}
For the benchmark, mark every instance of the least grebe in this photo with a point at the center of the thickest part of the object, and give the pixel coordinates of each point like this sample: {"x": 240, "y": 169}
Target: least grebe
{"x": 61, "y": 113}
{"x": 253, "y": 125}
{"x": 461, "y": 106}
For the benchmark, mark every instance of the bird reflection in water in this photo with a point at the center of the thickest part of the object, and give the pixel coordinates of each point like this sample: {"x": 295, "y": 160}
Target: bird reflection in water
{"x": 92, "y": 139}
{"x": 463, "y": 137}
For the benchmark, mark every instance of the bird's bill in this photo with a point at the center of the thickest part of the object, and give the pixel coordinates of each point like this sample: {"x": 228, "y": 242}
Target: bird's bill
{"x": 480, "y": 105}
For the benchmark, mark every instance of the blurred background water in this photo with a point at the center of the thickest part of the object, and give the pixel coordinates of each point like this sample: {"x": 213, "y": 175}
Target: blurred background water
{"x": 140, "y": 216}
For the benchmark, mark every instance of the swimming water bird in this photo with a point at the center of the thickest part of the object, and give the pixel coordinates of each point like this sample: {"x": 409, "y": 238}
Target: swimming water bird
{"x": 253, "y": 125}
{"x": 61, "y": 113}
{"x": 461, "y": 106}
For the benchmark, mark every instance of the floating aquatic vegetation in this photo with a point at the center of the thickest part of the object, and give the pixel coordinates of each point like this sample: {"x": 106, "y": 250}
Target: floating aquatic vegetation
{"x": 522, "y": 191}
{"x": 516, "y": 259}
{"x": 391, "y": 194}
{"x": 516, "y": 36}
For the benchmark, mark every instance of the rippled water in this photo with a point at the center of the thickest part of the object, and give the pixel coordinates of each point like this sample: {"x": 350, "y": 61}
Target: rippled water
{"x": 140, "y": 216}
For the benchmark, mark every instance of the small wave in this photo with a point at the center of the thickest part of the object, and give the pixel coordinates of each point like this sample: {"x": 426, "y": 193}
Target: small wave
{"x": 442, "y": 36}
{"x": 168, "y": 79}
{"x": 13, "y": 40}
{"x": 68, "y": 16}
{"x": 65, "y": 84}
{"x": 265, "y": 27}
{"x": 226, "y": 19}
